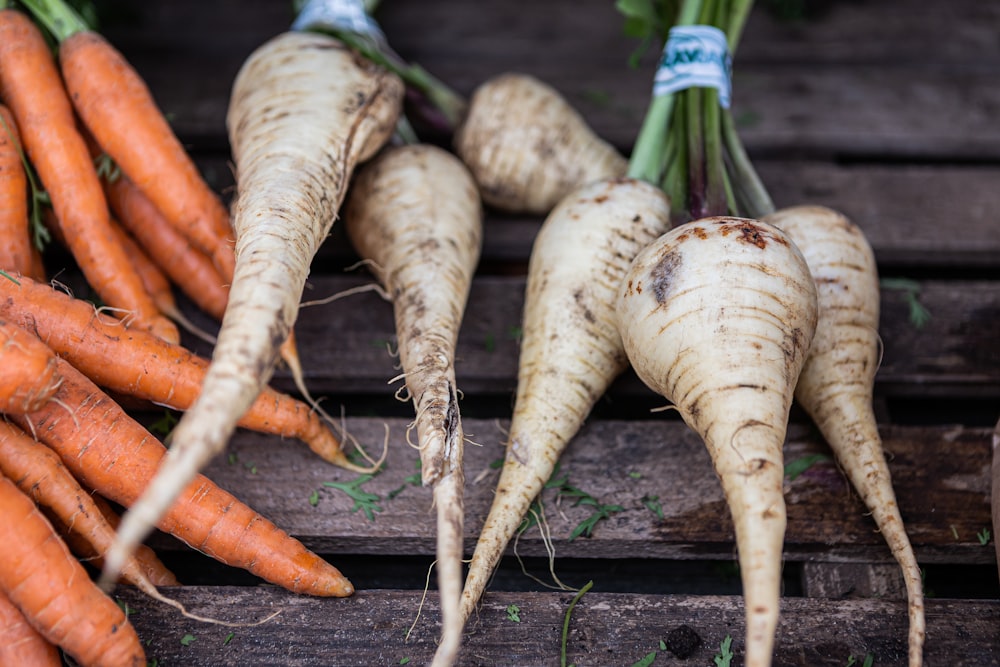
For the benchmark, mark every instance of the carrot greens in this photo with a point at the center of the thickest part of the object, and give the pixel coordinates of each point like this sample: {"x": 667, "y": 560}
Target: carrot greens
{"x": 365, "y": 501}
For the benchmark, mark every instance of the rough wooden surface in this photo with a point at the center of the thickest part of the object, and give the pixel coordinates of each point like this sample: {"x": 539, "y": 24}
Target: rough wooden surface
{"x": 860, "y": 106}
{"x": 605, "y": 629}
{"x": 953, "y": 353}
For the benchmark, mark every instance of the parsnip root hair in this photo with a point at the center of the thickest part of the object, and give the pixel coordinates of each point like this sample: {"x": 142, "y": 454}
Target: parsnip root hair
{"x": 414, "y": 212}
{"x": 570, "y": 347}
{"x": 837, "y": 381}
{"x": 304, "y": 111}
{"x": 717, "y": 316}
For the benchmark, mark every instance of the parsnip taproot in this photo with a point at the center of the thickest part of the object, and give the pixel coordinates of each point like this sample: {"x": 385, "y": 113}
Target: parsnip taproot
{"x": 304, "y": 110}
{"x": 717, "y": 316}
{"x": 415, "y": 213}
{"x": 570, "y": 347}
{"x": 837, "y": 382}
{"x": 528, "y": 147}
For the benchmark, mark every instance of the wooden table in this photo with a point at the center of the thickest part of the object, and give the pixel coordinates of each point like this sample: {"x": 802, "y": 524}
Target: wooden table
{"x": 887, "y": 111}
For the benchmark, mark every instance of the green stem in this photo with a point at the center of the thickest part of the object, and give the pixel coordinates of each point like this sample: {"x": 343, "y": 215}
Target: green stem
{"x": 738, "y": 12}
{"x": 715, "y": 168}
{"x": 695, "y": 133}
{"x": 451, "y": 105}
{"x": 58, "y": 17}
{"x": 569, "y": 611}
{"x": 746, "y": 181}
{"x": 674, "y": 180}
{"x": 647, "y": 161}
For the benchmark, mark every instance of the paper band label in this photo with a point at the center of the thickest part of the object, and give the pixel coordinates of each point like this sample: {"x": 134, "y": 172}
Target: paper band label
{"x": 343, "y": 15}
{"x": 695, "y": 56}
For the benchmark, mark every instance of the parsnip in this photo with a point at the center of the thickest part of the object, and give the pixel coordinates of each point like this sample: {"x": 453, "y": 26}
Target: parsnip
{"x": 837, "y": 381}
{"x": 304, "y": 111}
{"x": 717, "y": 315}
{"x": 528, "y": 148}
{"x": 415, "y": 213}
{"x": 570, "y": 347}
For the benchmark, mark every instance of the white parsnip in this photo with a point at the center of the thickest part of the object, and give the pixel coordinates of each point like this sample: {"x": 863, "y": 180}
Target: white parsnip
{"x": 414, "y": 212}
{"x": 837, "y": 381}
{"x": 528, "y": 148}
{"x": 570, "y": 347}
{"x": 304, "y": 110}
{"x": 717, "y": 316}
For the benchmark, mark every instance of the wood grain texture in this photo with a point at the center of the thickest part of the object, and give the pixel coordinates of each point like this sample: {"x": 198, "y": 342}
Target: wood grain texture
{"x": 371, "y": 629}
{"x": 953, "y": 354}
{"x": 941, "y": 476}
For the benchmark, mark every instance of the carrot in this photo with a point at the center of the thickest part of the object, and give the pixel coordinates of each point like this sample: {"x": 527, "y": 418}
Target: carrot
{"x": 29, "y": 375}
{"x": 837, "y": 381}
{"x": 31, "y": 87}
{"x": 187, "y": 267}
{"x": 155, "y": 570}
{"x": 304, "y": 111}
{"x": 157, "y": 284}
{"x": 527, "y": 147}
{"x": 135, "y": 363}
{"x": 16, "y": 251}
{"x": 571, "y": 351}
{"x": 114, "y": 455}
{"x": 21, "y": 644}
{"x": 415, "y": 213}
{"x": 41, "y": 476}
{"x": 717, "y": 315}
{"x": 149, "y": 564}
{"x": 53, "y": 591}
{"x": 118, "y": 109}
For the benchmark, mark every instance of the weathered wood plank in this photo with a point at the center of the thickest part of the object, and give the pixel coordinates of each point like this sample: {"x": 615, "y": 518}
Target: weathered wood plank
{"x": 826, "y": 87}
{"x": 343, "y": 344}
{"x": 908, "y": 212}
{"x": 941, "y": 476}
{"x": 605, "y": 629}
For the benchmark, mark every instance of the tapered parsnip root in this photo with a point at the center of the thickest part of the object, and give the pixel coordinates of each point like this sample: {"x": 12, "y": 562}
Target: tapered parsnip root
{"x": 570, "y": 347}
{"x": 528, "y": 148}
{"x": 304, "y": 111}
{"x": 717, "y": 315}
{"x": 837, "y": 381}
{"x": 415, "y": 213}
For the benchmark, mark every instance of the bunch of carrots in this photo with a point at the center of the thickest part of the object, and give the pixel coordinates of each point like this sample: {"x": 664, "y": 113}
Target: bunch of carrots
{"x": 88, "y": 159}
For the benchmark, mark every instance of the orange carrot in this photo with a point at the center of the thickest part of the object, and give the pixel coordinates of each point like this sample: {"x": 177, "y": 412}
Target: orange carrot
{"x": 29, "y": 377}
{"x": 157, "y": 573}
{"x": 119, "y": 110}
{"x": 21, "y": 644}
{"x": 50, "y": 587}
{"x": 187, "y": 266}
{"x": 156, "y": 283}
{"x": 31, "y": 87}
{"x": 110, "y": 452}
{"x": 16, "y": 250}
{"x": 135, "y": 363}
{"x": 41, "y": 475}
